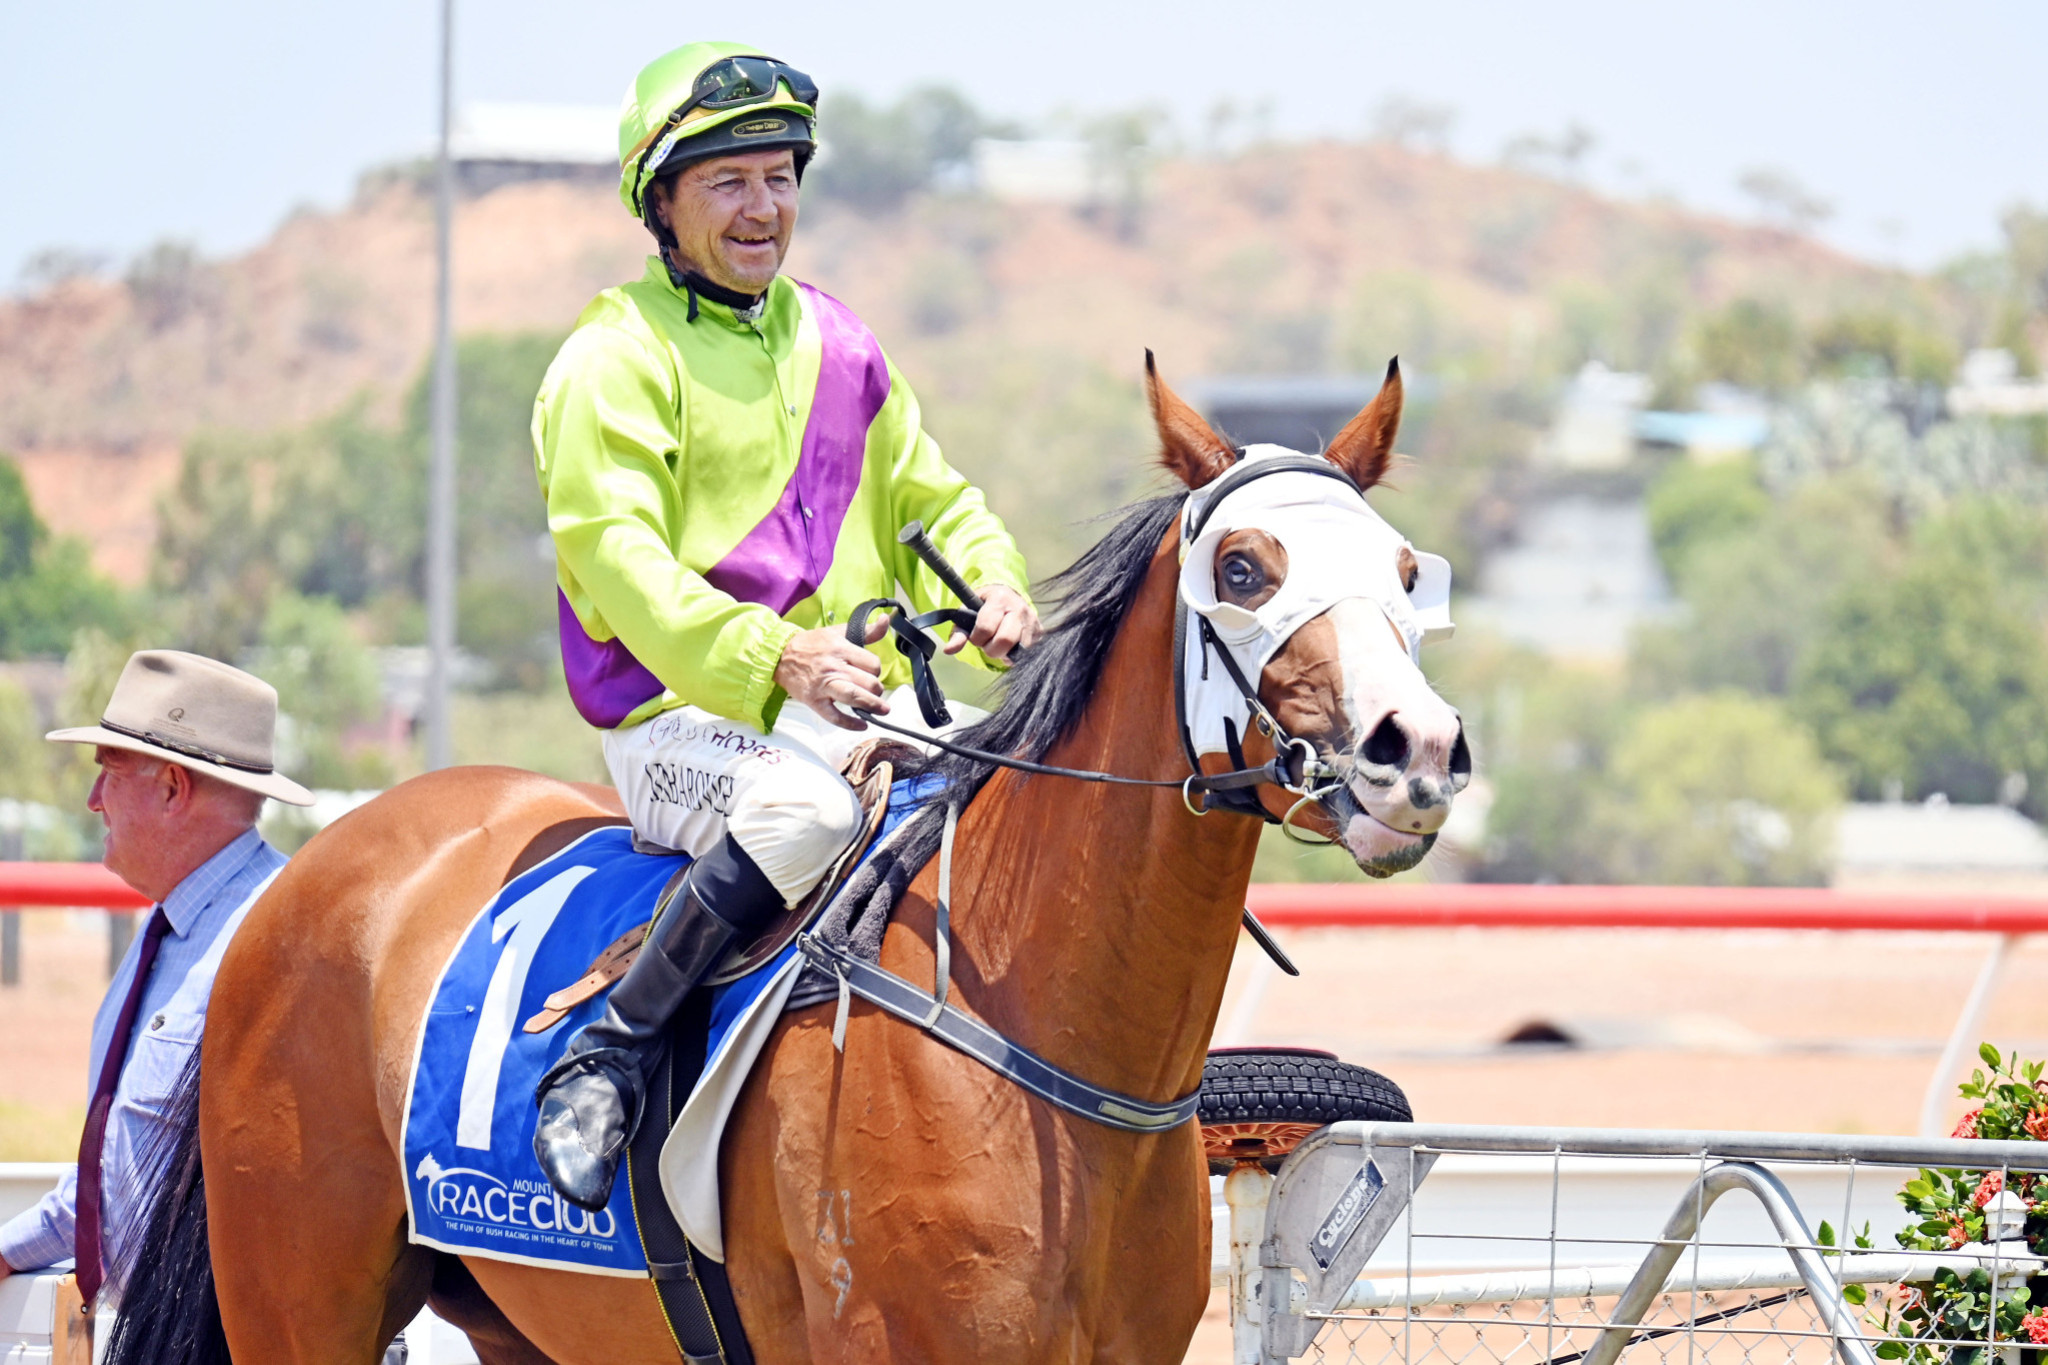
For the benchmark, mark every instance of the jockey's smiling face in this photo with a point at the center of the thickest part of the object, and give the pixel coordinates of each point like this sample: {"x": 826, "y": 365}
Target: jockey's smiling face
{"x": 732, "y": 216}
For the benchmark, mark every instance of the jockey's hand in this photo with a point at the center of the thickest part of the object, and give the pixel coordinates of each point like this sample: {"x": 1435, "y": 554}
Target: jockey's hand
{"x": 824, "y": 671}
{"x": 1006, "y": 622}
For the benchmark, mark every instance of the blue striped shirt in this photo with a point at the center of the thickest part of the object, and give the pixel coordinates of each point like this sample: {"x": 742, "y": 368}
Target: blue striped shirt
{"x": 204, "y": 910}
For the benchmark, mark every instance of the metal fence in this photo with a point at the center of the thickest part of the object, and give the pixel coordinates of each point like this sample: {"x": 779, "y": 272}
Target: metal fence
{"x": 1590, "y": 1246}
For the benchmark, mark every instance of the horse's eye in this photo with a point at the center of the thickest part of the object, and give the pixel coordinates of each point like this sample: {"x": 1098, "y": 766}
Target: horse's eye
{"x": 1411, "y": 571}
{"x": 1241, "y": 575}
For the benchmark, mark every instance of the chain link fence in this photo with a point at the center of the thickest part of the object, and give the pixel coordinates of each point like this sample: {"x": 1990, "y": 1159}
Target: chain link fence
{"x": 1420, "y": 1245}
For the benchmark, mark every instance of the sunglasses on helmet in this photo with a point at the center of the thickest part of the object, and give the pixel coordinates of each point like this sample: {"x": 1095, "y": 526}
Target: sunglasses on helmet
{"x": 734, "y": 81}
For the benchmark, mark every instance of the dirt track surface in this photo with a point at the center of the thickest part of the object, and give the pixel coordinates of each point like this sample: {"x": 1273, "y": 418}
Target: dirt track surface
{"x": 1778, "y": 1030}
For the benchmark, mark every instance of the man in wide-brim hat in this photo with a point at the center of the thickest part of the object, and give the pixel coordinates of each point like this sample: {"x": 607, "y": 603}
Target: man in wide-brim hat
{"x": 185, "y": 750}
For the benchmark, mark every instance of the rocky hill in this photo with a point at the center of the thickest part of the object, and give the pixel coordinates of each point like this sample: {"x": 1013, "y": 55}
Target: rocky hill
{"x": 1316, "y": 257}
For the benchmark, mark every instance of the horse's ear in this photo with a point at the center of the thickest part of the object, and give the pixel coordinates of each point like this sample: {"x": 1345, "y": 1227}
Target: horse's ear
{"x": 1188, "y": 445}
{"x": 1365, "y": 447}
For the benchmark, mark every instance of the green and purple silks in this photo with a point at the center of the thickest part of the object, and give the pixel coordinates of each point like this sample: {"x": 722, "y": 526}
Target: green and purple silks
{"x": 715, "y": 487}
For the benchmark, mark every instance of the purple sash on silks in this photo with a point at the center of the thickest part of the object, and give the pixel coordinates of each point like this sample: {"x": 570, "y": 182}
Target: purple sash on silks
{"x": 787, "y": 555}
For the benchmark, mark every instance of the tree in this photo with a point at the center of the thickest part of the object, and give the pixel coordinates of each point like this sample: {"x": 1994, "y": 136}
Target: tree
{"x": 337, "y": 510}
{"x": 1694, "y": 504}
{"x": 1883, "y": 343}
{"x": 327, "y": 684}
{"x": 48, "y": 587}
{"x": 1782, "y": 197}
{"x": 874, "y": 156}
{"x": 1754, "y": 343}
{"x": 1755, "y": 592}
{"x": 217, "y": 562}
{"x": 1936, "y": 678}
{"x": 506, "y": 595}
{"x": 1716, "y": 790}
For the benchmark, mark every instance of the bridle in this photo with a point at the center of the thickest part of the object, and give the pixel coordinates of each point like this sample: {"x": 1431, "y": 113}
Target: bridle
{"x": 1296, "y": 767}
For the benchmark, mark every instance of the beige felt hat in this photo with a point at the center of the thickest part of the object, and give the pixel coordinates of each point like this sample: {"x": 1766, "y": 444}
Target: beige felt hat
{"x": 198, "y": 713}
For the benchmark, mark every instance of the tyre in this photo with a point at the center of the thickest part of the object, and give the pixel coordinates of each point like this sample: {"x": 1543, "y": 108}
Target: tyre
{"x": 1258, "y": 1103}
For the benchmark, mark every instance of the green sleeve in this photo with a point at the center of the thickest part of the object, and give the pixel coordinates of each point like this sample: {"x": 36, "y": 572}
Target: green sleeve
{"x": 954, "y": 512}
{"x": 608, "y": 448}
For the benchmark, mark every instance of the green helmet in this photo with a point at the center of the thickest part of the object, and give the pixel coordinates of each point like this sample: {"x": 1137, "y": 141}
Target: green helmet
{"x": 709, "y": 99}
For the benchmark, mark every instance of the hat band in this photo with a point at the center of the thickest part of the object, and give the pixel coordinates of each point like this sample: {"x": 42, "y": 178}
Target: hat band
{"x": 188, "y": 750}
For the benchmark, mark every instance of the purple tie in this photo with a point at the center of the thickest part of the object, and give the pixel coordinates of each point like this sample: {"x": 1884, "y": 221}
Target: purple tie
{"x": 87, "y": 1240}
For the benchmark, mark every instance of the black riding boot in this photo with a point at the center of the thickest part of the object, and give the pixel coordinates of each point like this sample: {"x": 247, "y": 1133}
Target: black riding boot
{"x": 590, "y": 1100}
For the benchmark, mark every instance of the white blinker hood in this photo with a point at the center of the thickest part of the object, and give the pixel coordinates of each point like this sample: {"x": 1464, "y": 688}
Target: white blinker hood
{"x": 1338, "y": 548}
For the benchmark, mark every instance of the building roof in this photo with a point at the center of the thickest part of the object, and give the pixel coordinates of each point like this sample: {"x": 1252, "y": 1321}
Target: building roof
{"x": 1935, "y": 836}
{"x": 537, "y": 134}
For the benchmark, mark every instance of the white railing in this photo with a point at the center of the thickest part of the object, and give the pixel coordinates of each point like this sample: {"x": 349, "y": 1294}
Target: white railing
{"x": 1428, "y": 1245}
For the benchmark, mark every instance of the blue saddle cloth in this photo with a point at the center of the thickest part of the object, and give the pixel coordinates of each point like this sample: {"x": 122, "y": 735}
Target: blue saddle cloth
{"x": 472, "y": 1184}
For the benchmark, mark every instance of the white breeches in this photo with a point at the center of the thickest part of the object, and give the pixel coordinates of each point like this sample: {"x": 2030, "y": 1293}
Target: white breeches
{"x": 688, "y": 778}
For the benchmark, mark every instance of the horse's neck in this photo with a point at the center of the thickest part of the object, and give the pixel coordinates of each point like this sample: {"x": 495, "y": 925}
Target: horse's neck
{"x": 1101, "y": 919}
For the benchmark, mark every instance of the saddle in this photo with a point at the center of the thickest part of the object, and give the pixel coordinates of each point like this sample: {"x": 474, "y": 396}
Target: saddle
{"x": 695, "y": 1295}
{"x": 871, "y": 769}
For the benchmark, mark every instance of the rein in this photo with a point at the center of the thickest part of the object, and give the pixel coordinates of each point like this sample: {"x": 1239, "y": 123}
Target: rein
{"x": 1295, "y": 768}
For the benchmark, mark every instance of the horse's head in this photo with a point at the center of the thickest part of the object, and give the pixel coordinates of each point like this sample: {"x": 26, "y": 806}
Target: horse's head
{"x": 1324, "y": 608}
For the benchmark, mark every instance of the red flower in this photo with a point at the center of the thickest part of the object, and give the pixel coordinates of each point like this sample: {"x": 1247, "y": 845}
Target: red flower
{"x": 2037, "y": 1124}
{"x": 2036, "y": 1325}
{"x": 1988, "y": 1188}
{"x": 1968, "y": 1127}
{"x": 1958, "y": 1235}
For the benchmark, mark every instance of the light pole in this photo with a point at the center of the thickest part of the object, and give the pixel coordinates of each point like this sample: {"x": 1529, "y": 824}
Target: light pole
{"x": 441, "y": 464}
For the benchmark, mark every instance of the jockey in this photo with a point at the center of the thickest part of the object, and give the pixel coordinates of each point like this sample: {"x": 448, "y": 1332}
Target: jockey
{"x": 726, "y": 456}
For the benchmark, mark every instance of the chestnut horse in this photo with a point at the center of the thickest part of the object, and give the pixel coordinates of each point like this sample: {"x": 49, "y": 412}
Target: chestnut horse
{"x": 897, "y": 1202}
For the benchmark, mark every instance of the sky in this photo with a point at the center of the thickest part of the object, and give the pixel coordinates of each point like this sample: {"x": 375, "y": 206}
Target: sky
{"x": 124, "y": 123}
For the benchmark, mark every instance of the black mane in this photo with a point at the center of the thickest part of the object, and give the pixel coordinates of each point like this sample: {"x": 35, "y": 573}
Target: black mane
{"x": 1044, "y": 695}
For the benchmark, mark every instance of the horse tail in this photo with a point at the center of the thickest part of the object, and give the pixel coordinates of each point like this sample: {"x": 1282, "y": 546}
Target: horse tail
{"x": 170, "y": 1313}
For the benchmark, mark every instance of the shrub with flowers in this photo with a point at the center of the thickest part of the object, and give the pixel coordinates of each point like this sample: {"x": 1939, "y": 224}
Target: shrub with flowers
{"x": 1948, "y": 1207}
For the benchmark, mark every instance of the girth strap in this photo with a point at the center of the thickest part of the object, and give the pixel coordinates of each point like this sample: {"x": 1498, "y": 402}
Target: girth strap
{"x": 893, "y": 995}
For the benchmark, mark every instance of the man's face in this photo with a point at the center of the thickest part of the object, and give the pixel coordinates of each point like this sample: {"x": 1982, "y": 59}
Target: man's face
{"x": 133, "y": 795}
{"x": 733, "y": 216}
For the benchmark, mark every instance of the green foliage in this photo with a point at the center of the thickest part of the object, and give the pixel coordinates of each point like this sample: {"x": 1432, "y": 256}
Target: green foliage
{"x": 1051, "y": 439}
{"x": 2006, "y": 536}
{"x": 1756, "y": 595}
{"x": 506, "y": 597}
{"x": 337, "y": 510}
{"x": 327, "y": 685}
{"x": 1591, "y": 786}
{"x": 216, "y": 561}
{"x": 2026, "y": 251}
{"x": 1630, "y": 324}
{"x": 1883, "y": 343}
{"x": 537, "y": 730}
{"x": 1692, "y": 504}
{"x": 1752, "y": 342}
{"x": 875, "y": 156}
{"x": 48, "y": 587}
{"x": 1543, "y": 735}
{"x": 1935, "y": 677}
{"x": 1947, "y": 1211}
{"x": 1718, "y": 790}
{"x": 25, "y": 773}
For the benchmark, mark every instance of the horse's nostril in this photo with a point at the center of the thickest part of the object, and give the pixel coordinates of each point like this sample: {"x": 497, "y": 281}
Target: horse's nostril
{"x": 1461, "y": 762}
{"x": 1386, "y": 746}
